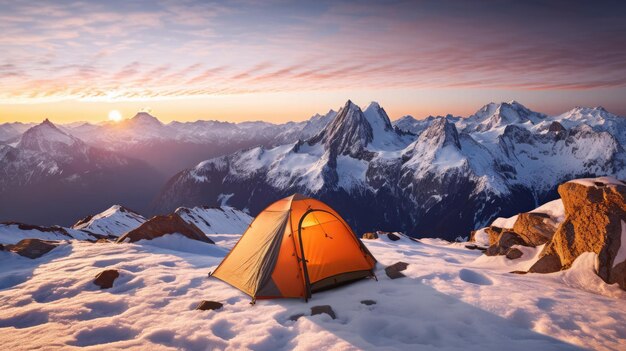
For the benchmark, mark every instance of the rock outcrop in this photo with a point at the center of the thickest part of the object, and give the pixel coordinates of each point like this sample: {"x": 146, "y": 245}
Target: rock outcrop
{"x": 161, "y": 225}
{"x": 595, "y": 222}
{"x": 32, "y": 248}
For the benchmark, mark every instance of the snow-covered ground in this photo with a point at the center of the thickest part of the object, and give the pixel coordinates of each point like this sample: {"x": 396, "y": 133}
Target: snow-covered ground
{"x": 451, "y": 300}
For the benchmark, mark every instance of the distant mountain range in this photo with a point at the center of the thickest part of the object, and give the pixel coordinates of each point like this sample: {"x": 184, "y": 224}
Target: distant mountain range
{"x": 440, "y": 175}
{"x": 437, "y": 176}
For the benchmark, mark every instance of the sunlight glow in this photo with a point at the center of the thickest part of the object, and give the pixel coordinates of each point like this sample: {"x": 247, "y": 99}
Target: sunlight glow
{"x": 115, "y": 116}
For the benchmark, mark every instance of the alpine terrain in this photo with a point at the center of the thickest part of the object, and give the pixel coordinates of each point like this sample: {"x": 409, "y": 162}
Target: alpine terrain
{"x": 445, "y": 175}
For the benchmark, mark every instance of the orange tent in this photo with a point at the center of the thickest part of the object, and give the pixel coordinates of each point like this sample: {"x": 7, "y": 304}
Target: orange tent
{"x": 295, "y": 247}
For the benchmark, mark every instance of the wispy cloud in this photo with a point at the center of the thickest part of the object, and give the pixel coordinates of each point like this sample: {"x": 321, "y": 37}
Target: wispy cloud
{"x": 168, "y": 49}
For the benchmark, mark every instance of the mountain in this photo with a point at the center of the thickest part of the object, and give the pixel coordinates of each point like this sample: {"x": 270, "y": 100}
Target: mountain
{"x": 216, "y": 220}
{"x": 114, "y": 221}
{"x": 177, "y": 145}
{"x": 13, "y": 232}
{"x": 445, "y": 175}
{"x": 10, "y": 131}
{"x": 51, "y": 176}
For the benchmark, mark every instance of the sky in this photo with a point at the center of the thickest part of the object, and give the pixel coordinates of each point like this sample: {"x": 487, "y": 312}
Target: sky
{"x": 287, "y": 60}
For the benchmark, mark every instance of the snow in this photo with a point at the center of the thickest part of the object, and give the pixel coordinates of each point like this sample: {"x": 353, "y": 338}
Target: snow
{"x": 554, "y": 209}
{"x": 214, "y": 220}
{"x": 481, "y": 237}
{"x": 446, "y": 302}
{"x": 351, "y": 172}
{"x": 592, "y": 182}
{"x": 11, "y": 233}
{"x": 582, "y": 275}
{"x": 502, "y": 222}
{"x": 115, "y": 221}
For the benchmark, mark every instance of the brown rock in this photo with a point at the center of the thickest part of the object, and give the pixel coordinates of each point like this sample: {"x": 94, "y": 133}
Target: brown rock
{"x": 535, "y": 228}
{"x": 323, "y": 309}
{"x": 505, "y": 241}
{"x": 161, "y": 225}
{"x": 394, "y": 271}
{"x": 102, "y": 241}
{"x": 205, "y": 305}
{"x": 106, "y": 278}
{"x": 494, "y": 234}
{"x": 593, "y": 223}
{"x": 32, "y": 248}
{"x": 514, "y": 254}
{"x": 546, "y": 264}
{"x": 370, "y": 236}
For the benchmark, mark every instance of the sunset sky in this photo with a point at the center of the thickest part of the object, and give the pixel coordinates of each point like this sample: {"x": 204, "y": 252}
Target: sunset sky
{"x": 283, "y": 60}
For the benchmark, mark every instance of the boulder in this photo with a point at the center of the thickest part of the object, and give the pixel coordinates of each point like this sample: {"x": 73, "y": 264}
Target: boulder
{"x": 205, "y": 305}
{"x": 106, "y": 278}
{"x": 370, "y": 236}
{"x": 493, "y": 233}
{"x": 158, "y": 226}
{"x": 595, "y": 221}
{"x": 514, "y": 254}
{"x": 535, "y": 228}
{"x": 32, "y": 248}
{"x": 323, "y": 309}
{"x": 394, "y": 271}
{"x": 505, "y": 241}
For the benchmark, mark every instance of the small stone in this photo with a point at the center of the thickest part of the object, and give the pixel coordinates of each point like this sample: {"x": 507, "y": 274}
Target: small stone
{"x": 205, "y": 305}
{"x": 295, "y": 317}
{"x": 393, "y": 237}
{"x": 368, "y": 302}
{"x": 370, "y": 236}
{"x": 106, "y": 278}
{"x": 102, "y": 241}
{"x": 518, "y": 272}
{"x": 394, "y": 271}
{"x": 323, "y": 309}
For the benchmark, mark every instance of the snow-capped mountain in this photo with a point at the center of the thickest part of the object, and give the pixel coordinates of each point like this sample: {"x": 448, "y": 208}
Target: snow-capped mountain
{"x": 444, "y": 174}
{"x": 114, "y": 221}
{"x": 176, "y": 145}
{"x": 216, "y": 220}
{"x": 50, "y": 175}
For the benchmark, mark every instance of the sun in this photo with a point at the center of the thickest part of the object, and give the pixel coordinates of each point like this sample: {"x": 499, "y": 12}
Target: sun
{"x": 115, "y": 116}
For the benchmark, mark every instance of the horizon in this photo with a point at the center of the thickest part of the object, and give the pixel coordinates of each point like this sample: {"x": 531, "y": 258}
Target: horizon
{"x": 280, "y": 62}
{"x": 124, "y": 117}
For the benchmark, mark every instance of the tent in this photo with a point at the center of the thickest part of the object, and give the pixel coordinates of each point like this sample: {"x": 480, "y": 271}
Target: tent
{"x": 296, "y": 246}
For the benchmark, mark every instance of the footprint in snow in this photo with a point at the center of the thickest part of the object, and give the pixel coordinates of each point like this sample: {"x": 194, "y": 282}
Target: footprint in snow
{"x": 473, "y": 277}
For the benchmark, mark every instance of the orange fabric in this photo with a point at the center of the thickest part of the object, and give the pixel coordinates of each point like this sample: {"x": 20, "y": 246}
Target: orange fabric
{"x": 330, "y": 247}
{"x": 272, "y": 243}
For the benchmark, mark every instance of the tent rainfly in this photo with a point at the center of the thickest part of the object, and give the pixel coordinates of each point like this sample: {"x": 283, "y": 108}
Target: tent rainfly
{"x": 293, "y": 248}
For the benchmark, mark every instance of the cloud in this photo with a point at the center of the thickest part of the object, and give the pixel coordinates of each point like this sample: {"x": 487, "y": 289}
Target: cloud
{"x": 170, "y": 49}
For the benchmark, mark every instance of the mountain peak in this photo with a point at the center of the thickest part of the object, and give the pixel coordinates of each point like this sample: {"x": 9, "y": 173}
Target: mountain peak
{"x": 45, "y": 137}
{"x": 348, "y": 133}
{"x": 144, "y": 118}
{"x": 442, "y": 132}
